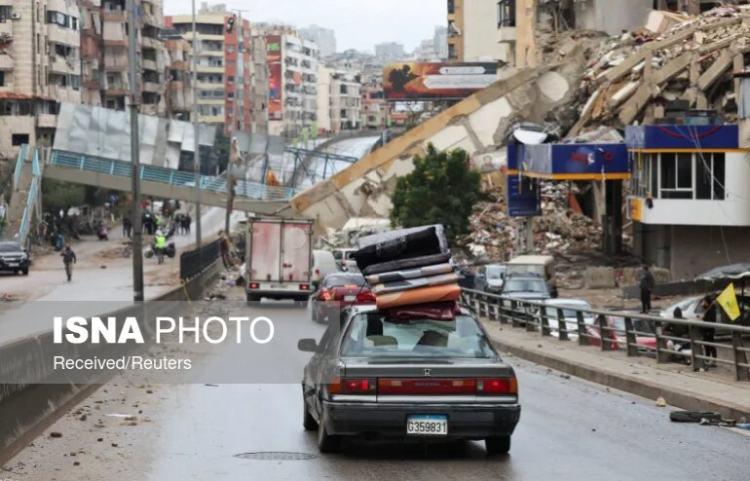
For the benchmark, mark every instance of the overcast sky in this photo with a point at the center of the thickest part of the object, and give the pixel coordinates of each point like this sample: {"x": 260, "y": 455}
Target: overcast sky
{"x": 358, "y": 24}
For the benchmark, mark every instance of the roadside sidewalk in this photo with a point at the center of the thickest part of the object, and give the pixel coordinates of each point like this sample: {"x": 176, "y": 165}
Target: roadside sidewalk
{"x": 677, "y": 384}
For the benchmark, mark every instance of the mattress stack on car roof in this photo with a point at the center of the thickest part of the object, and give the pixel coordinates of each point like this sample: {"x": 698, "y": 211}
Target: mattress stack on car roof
{"x": 409, "y": 267}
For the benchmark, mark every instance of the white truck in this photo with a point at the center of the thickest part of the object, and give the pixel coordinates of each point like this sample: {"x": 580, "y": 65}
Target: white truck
{"x": 279, "y": 259}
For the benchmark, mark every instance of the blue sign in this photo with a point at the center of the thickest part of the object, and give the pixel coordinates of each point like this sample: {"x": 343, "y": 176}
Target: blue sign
{"x": 690, "y": 137}
{"x": 524, "y": 196}
{"x": 576, "y": 161}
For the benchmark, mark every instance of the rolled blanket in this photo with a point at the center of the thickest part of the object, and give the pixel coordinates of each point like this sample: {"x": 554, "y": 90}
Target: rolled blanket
{"x": 406, "y": 264}
{"x": 424, "y": 295}
{"x": 410, "y": 284}
{"x": 427, "y": 271}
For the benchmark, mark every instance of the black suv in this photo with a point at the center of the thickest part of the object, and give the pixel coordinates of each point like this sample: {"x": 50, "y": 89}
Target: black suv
{"x": 14, "y": 258}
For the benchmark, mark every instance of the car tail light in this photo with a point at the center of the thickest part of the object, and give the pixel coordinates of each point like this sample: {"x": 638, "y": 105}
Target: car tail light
{"x": 304, "y": 287}
{"x": 352, "y": 386}
{"x": 427, "y": 387}
{"x": 254, "y": 285}
{"x": 366, "y": 297}
{"x": 325, "y": 295}
{"x": 499, "y": 386}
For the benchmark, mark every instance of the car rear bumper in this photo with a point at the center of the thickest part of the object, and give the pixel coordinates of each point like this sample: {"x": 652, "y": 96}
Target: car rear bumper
{"x": 379, "y": 420}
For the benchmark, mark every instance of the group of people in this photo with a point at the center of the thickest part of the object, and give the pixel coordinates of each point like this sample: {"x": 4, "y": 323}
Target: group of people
{"x": 181, "y": 224}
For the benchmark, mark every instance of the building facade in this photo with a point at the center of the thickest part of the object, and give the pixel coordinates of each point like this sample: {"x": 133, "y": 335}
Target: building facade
{"x": 389, "y": 52}
{"x": 224, "y": 67}
{"x": 293, "y": 82}
{"x": 689, "y": 201}
{"x": 40, "y": 66}
{"x": 346, "y": 101}
{"x": 179, "y": 94}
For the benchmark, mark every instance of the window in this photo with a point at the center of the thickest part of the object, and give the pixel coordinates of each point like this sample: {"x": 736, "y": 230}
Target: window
{"x": 20, "y": 139}
{"x": 6, "y": 12}
{"x": 506, "y": 13}
{"x": 451, "y": 7}
{"x": 2, "y": 79}
{"x": 676, "y": 173}
{"x": 452, "y": 51}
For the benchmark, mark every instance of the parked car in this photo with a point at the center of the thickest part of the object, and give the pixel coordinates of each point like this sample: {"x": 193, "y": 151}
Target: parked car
{"x": 416, "y": 377}
{"x": 344, "y": 258}
{"x": 569, "y": 310}
{"x": 616, "y": 336}
{"x": 491, "y": 278}
{"x": 324, "y": 264}
{"x": 339, "y": 291}
{"x": 14, "y": 258}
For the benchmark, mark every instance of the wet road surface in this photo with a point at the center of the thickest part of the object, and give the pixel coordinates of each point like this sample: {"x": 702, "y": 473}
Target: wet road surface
{"x": 569, "y": 430}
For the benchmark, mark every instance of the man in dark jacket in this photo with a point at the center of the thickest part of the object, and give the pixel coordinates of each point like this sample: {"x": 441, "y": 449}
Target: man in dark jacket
{"x": 69, "y": 258}
{"x": 647, "y": 284}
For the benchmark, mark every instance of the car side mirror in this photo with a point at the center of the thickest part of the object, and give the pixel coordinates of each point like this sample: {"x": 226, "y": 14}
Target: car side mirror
{"x": 307, "y": 345}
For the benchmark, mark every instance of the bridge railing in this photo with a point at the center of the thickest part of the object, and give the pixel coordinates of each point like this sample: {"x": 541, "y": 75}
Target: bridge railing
{"x": 23, "y": 152}
{"x": 172, "y": 177}
{"x": 663, "y": 339}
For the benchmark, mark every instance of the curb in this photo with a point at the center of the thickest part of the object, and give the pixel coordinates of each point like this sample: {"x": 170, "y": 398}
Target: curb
{"x": 679, "y": 398}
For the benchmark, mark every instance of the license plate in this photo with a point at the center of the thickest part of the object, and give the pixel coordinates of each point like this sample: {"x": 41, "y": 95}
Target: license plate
{"x": 350, "y": 298}
{"x": 427, "y": 425}
{"x": 14, "y": 264}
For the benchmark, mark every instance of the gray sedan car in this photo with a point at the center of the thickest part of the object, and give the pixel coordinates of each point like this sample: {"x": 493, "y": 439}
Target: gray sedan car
{"x": 379, "y": 375}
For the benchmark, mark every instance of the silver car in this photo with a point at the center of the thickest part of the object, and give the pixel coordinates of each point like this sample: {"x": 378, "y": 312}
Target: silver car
{"x": 382, "y": 375}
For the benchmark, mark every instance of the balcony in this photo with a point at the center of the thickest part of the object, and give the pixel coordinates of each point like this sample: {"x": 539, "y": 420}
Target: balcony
{"x": 6, "y": 62}
{"x": 152, "y": 87}
{"x": 148, "y": 42}
{"x": 149, "y": 65}
{"x": 506, "y": 34}
{"x": 114, "y": 15}
{"x": 46, "y": 121}
{"x": 64, "y": 65}
{"x": 65, "y": 36}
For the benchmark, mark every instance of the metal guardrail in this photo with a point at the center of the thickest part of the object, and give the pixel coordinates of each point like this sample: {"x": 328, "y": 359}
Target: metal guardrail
{"x": 640, "y": 335}
{"x": 193, "y": 263}
{"x": 172, "y": 177}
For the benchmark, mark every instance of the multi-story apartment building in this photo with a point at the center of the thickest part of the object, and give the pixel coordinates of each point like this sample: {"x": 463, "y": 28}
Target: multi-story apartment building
{"x": 224, "y": 76}
{"x": 259, "y": 84}
{"x": 325, "y": 77}
{"x": 40, "y": 66}
{"x": 505, "y": 30}
{"x": 389, "y": 52}
{"x": 346, "y": 101}
{"x": 179, "y": 94}
{"x": 293, "y": 82}
{"x": 374, "y": 107}
{"x": 324, "y": 38}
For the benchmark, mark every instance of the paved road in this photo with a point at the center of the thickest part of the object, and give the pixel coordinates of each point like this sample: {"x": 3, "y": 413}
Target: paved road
{"x": 570, "y": 430}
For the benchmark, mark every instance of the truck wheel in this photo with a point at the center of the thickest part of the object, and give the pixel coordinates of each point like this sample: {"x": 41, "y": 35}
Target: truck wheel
{"x": 497, "y": 445}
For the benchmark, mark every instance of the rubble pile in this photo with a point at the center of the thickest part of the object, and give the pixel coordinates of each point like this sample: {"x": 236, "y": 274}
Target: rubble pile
{"x": 558, "y": 231}
{"x": 680, "y": 60}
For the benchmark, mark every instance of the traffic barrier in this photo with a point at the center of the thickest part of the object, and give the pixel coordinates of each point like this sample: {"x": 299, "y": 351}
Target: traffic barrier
{"x": 193, "y": 263}
{"x": 635, "y": 334}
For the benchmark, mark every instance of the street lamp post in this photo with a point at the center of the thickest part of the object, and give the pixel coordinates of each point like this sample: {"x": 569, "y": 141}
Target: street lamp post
{"x": 196, "y": 133}
{"x": 138, "y": 294}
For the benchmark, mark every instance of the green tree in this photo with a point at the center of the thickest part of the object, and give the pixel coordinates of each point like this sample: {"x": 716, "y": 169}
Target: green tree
{"x": 442, "y": 189}
{"x": 58, "y": 195}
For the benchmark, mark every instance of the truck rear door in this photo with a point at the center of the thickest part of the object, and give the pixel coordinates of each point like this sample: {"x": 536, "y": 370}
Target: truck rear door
{"x": 296, "y": 252}
{"x": 265, "y": 251}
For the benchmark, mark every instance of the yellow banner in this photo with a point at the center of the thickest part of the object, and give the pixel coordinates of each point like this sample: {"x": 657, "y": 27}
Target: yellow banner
{"x": 728, "y": 301}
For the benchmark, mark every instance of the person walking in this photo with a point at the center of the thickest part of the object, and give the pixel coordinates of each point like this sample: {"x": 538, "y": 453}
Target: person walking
{"x": 69, "y": 258}
{"x": 710, "y": 314}
{"x": 224, "y": 247}
{"x": 188, "y": 223}
{"x": 160, "y": 245}
{"x": 127, "y": 228}
{"x": 647, "y": 284}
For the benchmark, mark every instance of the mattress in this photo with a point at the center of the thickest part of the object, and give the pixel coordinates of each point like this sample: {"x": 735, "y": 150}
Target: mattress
{"x": 424, "y": 295}
{"x": 406, "y": 264}
{"x": 396, "y": 276}
{"x": 409, "y": 284}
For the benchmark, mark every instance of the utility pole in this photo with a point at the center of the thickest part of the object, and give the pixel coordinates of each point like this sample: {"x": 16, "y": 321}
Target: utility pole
{"x": 135, "y": 144}
{"x": 196, "y": 133}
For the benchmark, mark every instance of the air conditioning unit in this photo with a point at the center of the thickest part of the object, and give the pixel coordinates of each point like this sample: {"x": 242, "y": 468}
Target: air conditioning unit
{"x": 15, "y": 16}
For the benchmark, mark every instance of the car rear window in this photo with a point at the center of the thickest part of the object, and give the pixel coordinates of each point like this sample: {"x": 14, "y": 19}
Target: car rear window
{"x": 340, "y": 280}
{"x": 377, "y": 335}
{"x": 525, "y": 285}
